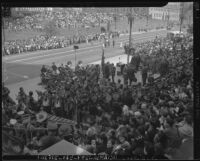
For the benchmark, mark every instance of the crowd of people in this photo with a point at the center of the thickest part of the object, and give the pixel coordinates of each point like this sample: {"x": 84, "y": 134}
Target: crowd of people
{"x": 44, "y": 42}
{"x": 64, "y": 18}
{"x": 149, "y": 120}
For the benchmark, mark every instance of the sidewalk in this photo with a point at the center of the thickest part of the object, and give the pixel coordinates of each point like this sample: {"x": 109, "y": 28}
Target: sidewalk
{"x": 120, "y": 58}
{"x": 141, "y": 32}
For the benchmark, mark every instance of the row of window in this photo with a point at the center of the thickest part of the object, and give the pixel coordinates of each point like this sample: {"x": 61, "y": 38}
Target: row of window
{"x": 158, "y": 15}
{"x": 163, "y": 10}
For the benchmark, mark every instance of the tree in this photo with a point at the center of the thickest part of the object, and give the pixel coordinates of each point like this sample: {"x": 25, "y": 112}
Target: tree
{"x": 50, "y": 29}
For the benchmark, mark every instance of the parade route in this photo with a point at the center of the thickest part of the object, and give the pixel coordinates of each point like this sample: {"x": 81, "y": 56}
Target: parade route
{"x": 23, "y": 67}
{"x": 24, "y": 70}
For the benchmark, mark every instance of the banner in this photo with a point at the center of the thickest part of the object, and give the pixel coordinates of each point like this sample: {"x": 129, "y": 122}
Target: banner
{"x": 59, "y": 120}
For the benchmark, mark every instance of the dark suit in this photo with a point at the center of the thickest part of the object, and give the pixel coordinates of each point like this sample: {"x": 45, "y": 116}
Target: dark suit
{"x": 144, "y": 75}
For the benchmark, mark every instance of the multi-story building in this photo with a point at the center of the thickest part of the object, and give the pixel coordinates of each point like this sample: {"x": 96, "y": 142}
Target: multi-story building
{"x": 32, "y": 9}
{"x": 171, "y": 11}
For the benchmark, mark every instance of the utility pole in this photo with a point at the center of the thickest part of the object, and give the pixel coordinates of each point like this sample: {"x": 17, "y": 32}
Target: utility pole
{"x": 6, "y": 13}
{"x": 130, "y": 20}
{"x": 181, "y": 15}
{"x": 115, "y": 18}
{"x": 167, "y": 19}
{"x": 4, "y": 73}
{"x": 75, "y": 59}
{"x": 146, "y": 12}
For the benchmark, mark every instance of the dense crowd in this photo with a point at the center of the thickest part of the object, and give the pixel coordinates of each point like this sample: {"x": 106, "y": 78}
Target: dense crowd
{"x": 149, "y": 120}
{"x": 44, "y": 42}
{"x": 65, "y": 18}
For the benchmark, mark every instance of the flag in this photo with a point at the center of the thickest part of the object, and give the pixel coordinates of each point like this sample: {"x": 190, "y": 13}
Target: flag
{"x": 102, "y": 62}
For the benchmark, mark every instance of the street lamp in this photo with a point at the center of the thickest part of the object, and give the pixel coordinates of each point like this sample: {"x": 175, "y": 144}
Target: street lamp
{"x": 130, "y": 21}
{"x": 6, "y": 13}
{"x": 181, "y": 16}
{"x": 115, "y": 18}
{"x": 167, "y": 19}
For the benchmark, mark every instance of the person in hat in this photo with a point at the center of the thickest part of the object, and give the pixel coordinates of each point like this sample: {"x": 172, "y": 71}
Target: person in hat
{"x": 148, "y": 150}
{"x": 107, "y": 70}
{"x": 57, "y": 106}
{"x": 51, "y": 138}
{"x": 21, "y": 106}
{"x": 144, "y": 74}
{"x": 123, "y": 141}
{"x": 46, "y": 102}
{"x": 113, "y": 70}
{"x": 31, "y": 103}
{"x": 186, "y": 129}
{"x": 43, "y": 70}
{"x": 173, "y": 138}
{"x": 41, "y": 116}
{"x": 122, "y": 147}
{"x": 101, "y": 141}
{"x": 22, "y": 95}
{"x": 151, "y": 79}
{"x": 109, "y": 147}
{"x": 64, "y": 131}
{"x": 91, "y": 130}
{"x": 54, "y": 67}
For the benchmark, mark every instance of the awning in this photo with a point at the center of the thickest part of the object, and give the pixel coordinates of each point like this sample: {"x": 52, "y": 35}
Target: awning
{"x": 64, "y": 148}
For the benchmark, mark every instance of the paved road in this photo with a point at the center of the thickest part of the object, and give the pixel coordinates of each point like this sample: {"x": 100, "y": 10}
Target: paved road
{"x": 27, "y": 66}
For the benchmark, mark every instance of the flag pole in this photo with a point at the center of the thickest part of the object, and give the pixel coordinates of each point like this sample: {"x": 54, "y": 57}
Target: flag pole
{"x": 102, "y": 62}
{"x": 4, "y": 72}
{"x": 130, "y": 20}
{"x": 75, "y": 58}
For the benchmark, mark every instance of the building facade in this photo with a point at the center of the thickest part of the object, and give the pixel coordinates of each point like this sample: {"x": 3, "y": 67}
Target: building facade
{"x": 171, "y": 11}
{"x": 32, "y": 9}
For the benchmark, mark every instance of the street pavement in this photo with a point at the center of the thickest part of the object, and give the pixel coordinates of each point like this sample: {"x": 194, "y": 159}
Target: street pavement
{"x": 26, "y": 66}
{"x": 32, "y": 84}
{"x": 24, "y": 70}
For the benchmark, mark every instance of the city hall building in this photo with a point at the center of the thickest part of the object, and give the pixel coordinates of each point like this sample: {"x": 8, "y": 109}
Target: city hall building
{"x": 172, "y": 9}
